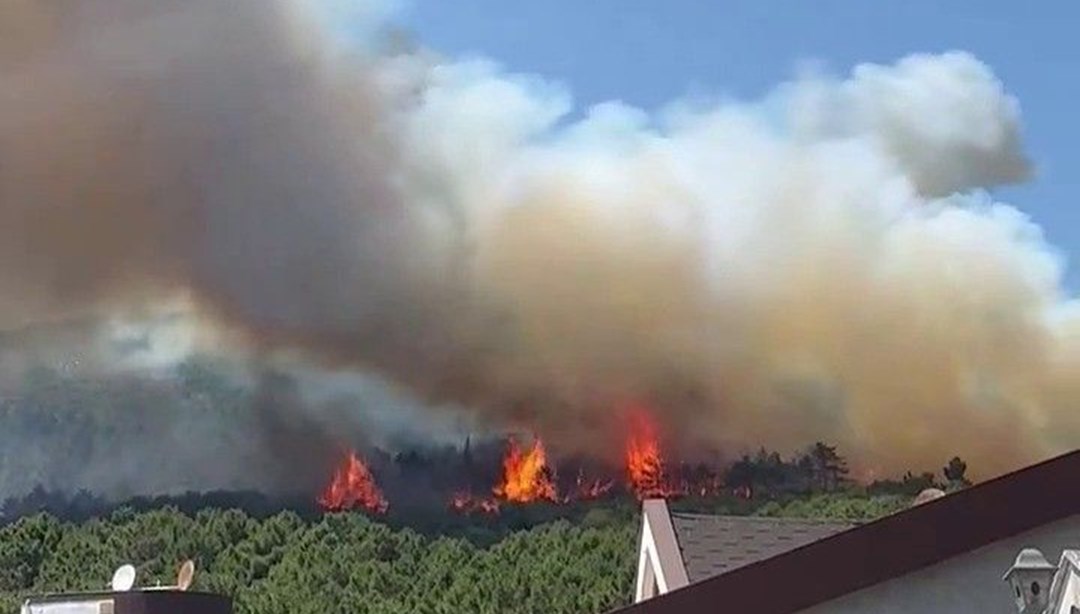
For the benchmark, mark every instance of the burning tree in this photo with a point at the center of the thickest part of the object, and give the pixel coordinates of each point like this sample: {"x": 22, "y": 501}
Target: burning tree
{"x": 644, "y": 465}
{"x": 526, "y": 476}
{"x": 353, "y": 487}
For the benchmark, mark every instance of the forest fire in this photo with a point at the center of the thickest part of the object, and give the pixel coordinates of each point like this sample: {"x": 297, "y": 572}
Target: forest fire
{"x": 353, "y": 487}
{"x": 526, "y": 475}
{"x": 527, "y": 478}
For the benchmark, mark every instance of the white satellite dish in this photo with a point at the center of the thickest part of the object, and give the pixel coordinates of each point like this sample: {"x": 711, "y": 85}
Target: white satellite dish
{"x": 185, "y": 576}
{"x": 123, "y": 579}
{"x": 928, "y": 495}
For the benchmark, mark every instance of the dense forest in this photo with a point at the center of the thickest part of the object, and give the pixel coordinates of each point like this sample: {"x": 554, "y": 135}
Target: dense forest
{"x": 348, "y": 563}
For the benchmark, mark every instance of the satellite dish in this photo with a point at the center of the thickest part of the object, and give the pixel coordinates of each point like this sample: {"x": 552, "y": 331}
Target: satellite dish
{"x": 185, "y": 576}
{"x": 123, "y": 579}
{"x": 928, "y": 495}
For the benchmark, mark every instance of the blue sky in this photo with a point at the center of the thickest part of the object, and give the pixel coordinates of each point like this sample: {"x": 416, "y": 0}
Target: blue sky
{"x": 647, "y": 52}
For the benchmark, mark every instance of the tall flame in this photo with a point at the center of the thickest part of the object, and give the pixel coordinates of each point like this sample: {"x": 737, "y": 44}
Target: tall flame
{"x": 644, "y": 462}
{"x": 353, "y": 487}
{"x": 525, "y": 474}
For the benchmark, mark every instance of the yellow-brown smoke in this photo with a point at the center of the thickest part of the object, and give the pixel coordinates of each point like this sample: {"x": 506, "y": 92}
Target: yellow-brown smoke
{"x": 823, "y": 265}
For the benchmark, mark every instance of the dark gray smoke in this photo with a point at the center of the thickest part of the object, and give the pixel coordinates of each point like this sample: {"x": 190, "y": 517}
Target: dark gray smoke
{"x": 194, "y": 427}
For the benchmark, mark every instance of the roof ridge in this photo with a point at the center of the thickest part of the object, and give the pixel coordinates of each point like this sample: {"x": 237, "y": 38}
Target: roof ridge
{"x": 768, "y": 518}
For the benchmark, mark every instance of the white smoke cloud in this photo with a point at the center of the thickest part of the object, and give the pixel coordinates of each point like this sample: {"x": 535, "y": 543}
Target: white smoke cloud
{"x": 945, "y": 119}
{"x": 850, "y": 255}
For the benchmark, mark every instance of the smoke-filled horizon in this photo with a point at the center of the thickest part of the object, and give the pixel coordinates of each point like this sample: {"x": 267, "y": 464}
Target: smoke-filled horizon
{"x": 823, "y": 264}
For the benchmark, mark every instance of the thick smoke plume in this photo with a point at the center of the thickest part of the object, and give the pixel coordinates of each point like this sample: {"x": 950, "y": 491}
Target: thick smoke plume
{"x": 822, "y": 264}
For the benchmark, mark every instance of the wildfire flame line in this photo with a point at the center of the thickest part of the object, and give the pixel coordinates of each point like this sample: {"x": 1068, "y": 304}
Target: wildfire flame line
{"x": 527, "y": 477}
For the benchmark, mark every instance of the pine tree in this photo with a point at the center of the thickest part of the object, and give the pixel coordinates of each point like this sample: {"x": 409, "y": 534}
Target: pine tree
{"x": 954, "y": 474}
{"x": 830, "y": 468}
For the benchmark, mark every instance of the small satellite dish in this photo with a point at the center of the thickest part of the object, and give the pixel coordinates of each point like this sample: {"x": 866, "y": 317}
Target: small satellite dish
{"x": 186, "y": 575}
{"x": 123, "y": 579}
{"x": 928, "y": 495}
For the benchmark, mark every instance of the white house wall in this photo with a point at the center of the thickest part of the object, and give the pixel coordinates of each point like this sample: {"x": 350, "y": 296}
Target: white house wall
{"x": 969, "y": 583}
{"x": 1070, "y": 595}
{"x": 660, "y": 566}
{"x": 647, "y": 584}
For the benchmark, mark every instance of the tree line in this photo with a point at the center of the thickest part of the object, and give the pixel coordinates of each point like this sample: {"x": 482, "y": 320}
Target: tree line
{"x": 288, "y": 563}
{"x": 193, "y": 428}
{"x": 822, "y": 469}
{"x": 342, "y": 563}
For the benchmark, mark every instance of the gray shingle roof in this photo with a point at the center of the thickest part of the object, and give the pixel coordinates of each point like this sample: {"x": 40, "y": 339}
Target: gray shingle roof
{"x": 712, "y": 545}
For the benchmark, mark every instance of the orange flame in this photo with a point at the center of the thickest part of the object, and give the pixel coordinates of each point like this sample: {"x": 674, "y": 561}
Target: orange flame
{"x": 644, "y": 462}
{"x": 353, "y": 486}
{"x": 525, "y": 474}
{"x": 468, "y": 504}
{"x": 585, "y": 490}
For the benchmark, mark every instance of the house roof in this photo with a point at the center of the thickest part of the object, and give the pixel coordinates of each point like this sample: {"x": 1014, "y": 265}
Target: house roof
{"x": 1069, "y": 564}
{"x": 712, "y": 545}
{"x": 887, "y": 548}
{"x": 146, "y": 601}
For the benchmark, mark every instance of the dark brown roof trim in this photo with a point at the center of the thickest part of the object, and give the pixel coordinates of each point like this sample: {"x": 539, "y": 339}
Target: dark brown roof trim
{"x": 887, "y": 548}
{"x": 103, "y": 595}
